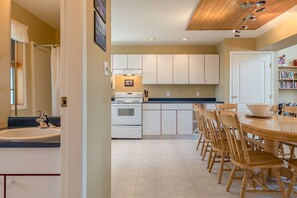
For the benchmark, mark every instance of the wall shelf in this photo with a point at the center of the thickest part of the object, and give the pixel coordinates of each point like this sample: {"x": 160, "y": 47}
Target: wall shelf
{"x": 287, "y": 67}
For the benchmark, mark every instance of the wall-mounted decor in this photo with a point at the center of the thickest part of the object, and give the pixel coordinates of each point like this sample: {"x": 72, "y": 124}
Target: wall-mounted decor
{"x": 129, "y": 83}
{"x": 99, "y": 31}
{"x": 100, "y": 6}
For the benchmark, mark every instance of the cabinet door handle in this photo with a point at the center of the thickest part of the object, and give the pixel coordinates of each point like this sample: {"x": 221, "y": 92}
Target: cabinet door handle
{"x": 234, "y": 96}
{"x": 10, "y": 182}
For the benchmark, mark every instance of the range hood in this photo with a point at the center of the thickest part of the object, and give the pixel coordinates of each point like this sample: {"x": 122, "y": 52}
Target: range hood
{"x": 127, "y": 72}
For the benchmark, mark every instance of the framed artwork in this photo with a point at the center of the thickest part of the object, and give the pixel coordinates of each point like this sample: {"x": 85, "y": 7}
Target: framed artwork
{"x": 100, "y": 6}
{"x": 129, "y": 83}
{"x": 99, "y": 31}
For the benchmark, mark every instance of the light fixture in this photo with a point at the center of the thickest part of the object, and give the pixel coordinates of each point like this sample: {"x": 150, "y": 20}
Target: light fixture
{"x": 261, "y": 10}
{"x": 251, "y": 14}
{"x": 244, "y": 27}
{"x": 253, "y": 17}
{"x": 152, "y": 39}
{"x": 260, "y": 3}
{"x": 128, "y": 74}
{"x": 185, "y": 39}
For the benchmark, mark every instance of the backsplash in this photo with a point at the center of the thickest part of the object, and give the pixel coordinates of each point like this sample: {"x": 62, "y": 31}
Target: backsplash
{"x": 161, "y": 91}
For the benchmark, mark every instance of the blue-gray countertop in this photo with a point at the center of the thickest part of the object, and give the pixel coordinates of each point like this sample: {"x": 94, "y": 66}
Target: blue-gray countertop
{"x": 182, "y": 100}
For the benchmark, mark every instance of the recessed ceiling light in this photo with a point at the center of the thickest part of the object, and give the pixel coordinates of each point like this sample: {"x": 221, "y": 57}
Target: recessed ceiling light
{"x": 185, "y": 39}
{"x": 244, "y": 27}
{"x": 152, "y": 39}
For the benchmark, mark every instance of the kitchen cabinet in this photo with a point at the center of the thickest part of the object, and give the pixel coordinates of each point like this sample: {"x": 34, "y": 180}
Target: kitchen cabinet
{"x": 126, "y": 61}
{"x": 212, "y": 69}
{"x": 180, "y": 69}
{"x": 196, "y": 69}
{"x": 134, "y": 61}
{"x": 149, "y": 69}
{"x": 33, "y": 186}
{"x": 151, "y": 119}
{"x": 164, "y": 69}
{"x": 119, "y": 61}
{"x": 168, "y": 122}
{"x": 184, "y": 122}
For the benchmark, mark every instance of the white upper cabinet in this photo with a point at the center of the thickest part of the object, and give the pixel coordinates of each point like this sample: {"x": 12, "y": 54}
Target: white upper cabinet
{"x": 196, "y": 69}
{"x": 119, "y": 61}
{"x": 212, "y": 69}
{"x": 149, "y": 69}
{"x": 180, "y": 69}
{"x": 134, "y": 61}
{"x": 165, "y": 70}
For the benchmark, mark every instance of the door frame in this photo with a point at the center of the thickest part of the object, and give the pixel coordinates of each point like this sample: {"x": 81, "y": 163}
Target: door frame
{"x": 272, "y": 75}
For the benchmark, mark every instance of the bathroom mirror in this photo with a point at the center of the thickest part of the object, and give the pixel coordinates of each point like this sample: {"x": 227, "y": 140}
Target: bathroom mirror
{"x": 35, "y": 62}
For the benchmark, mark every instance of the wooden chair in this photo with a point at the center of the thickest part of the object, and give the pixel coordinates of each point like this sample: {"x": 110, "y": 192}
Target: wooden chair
{"x": 273, "y": 109}
{"x": 206, "y": 143}
{"x": 200, "y": 129}
{"x": 293, "y": 166}
{"x": 248, "y": 160}
{"x": 219, "y": 143}
{"x": 288, "y": 111}
{"x": 227, "y": 107}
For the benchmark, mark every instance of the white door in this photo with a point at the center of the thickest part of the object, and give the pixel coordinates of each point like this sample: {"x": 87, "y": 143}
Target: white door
{"x": 180, "y": 69}
{"x": 251, "y": 79}
{"x": 149, "y": 70}
{"x": 164, "y": 69}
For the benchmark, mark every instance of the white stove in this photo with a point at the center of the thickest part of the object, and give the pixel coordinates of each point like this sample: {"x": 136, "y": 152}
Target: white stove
{"x": 126, "y": 115}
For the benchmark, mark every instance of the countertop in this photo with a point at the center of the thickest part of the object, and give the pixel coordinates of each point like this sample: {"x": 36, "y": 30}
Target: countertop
{"x": 182, "y": 100}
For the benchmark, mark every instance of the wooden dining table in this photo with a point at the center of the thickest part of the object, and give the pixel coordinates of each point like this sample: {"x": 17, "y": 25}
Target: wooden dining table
{"x": 275, "y": 129}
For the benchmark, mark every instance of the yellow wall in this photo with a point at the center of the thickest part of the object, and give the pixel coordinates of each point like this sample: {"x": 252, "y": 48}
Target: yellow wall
{"x": 159, "y": 91}
{"x": 224, "y": 48}
{"x": 4, "y": 62}
{"x": 98, "y": 111}
{"x": 39, "y": 32}
{"x": 284, "y": 35}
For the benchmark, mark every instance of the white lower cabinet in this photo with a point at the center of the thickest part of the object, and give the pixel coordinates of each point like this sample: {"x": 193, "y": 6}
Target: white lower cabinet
{"x": 1, "y": 186}
{"x": 168, "y": 122}
{"x": 33, "y": 186}
{"x": 151, "y": 122}
{"x": 184, "y": 122}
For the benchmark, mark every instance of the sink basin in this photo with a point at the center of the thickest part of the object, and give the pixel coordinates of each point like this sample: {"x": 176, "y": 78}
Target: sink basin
{"x": 30, "y": 134}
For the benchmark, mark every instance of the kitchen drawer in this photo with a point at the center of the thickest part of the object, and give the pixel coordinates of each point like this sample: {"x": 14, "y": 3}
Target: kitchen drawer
{"x": 177, "y": 106}
{"x": 151, "y": 106}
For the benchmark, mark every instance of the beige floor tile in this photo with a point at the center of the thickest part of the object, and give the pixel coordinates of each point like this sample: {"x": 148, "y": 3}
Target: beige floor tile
{"x": 165, "y": 188}
{"x": 144, "y": 189}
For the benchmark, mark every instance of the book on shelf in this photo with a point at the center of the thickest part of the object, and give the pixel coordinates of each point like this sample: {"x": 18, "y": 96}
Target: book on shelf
{"x": 287, "y": 84}
{"x": 286, "y": 75}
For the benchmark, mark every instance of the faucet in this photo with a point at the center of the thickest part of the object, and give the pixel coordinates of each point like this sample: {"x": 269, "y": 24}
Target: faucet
{"x": 43, "y": 120}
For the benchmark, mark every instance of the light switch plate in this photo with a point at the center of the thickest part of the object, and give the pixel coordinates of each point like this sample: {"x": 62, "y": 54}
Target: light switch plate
{"x": 106, "y": 69}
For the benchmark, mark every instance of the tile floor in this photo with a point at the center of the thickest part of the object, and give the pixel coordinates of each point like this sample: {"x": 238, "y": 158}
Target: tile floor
{"x": 165, "y": 169}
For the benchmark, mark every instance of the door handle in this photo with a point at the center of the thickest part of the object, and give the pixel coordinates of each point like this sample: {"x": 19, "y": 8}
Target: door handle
{"x": 234, "y": 96}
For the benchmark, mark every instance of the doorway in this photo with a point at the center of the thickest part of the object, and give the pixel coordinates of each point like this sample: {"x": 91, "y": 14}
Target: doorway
{"x": 251, "y": 78}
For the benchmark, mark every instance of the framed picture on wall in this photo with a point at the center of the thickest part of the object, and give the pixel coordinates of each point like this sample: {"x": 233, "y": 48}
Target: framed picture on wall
{"x": 129, "y": 83}
{"x": 99, "y": 31}
{"x": 100, "y": 6}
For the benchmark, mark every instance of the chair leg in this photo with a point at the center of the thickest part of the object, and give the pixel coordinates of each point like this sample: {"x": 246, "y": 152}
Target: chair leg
{"x": 280, "y": 183}
{"x": 209, "y": 157}
{"x": 292, "y": 182}
{"x": 231, "y": 177}
{"x": 202, "y": 148}
{"x": 212, "y": 161}
{"x": 205, "y": 151}
{"x": 244, "y": 183}
{"x": 292, "y": 152}
{"x": 221, "y": 168}
{"x": 199, "y": 141}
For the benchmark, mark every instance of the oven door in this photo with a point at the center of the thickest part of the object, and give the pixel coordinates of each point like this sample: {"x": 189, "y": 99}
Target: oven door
{"x": 126, "y": 114}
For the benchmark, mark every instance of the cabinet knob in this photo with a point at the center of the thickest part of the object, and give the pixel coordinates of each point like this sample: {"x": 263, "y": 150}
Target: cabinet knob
{"x": 234, "y": 96}
{"x": 10, "y": 182}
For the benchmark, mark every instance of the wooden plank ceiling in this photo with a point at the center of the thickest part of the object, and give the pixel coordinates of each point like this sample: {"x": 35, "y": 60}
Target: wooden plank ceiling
{"x": 227, "y": 14}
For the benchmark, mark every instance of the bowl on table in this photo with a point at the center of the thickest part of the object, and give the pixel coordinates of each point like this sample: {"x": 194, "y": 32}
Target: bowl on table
{"x": 259, "y": 109}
